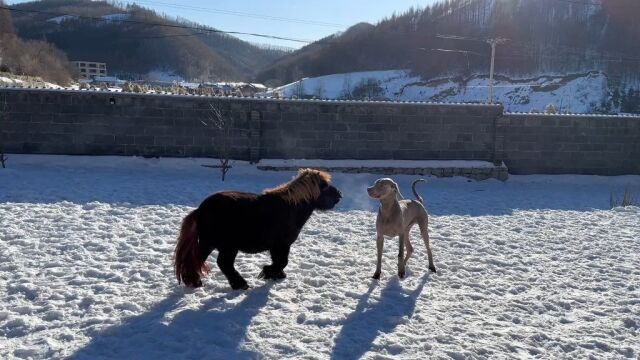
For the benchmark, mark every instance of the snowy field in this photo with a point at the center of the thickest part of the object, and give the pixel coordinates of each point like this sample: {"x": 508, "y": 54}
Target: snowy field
{"x": 536, "y": 267}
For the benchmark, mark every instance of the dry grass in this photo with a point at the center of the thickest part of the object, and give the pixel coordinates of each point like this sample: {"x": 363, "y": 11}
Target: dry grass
{"x": 629, "y": 198}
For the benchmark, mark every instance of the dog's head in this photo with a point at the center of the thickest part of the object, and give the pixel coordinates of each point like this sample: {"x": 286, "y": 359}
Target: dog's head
{"x": 384, "y": 188}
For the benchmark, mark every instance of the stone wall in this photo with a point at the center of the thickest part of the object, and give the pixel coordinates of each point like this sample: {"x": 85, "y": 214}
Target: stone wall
{"x": 352, "y": 130}
{"x": 101, "y": 123}
{"x": 569, "y": 144}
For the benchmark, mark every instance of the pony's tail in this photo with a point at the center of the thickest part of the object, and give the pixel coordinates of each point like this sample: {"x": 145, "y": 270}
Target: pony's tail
{"x": 413, "y": 188}
{"x": 189, "y": 265}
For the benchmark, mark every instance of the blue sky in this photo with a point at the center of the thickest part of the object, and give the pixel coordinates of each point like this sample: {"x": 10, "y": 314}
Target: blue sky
{"x": 319, "y": 18}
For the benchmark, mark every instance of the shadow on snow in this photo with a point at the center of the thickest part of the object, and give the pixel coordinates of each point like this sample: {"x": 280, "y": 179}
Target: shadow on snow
{"x": 368, "y": 320}
{"x": 205, "y": 332}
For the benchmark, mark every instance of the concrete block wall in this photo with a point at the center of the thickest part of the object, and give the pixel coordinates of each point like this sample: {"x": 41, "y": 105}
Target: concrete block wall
{"x": 96, "y": 123}
{"x": 378, "y": 131}
{"x": 100, "y": 123}
{"x": 570, "y": 144}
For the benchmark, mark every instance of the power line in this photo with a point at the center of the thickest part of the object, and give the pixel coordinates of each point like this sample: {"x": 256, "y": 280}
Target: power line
{"x": 457, "y": 37}
{"x": 581, "y": 2}
{"x": 613, "y": 57}
{"x": 241, "y": 14}
{"x": 459, "y": 51}
{"x": 174, "y": 26}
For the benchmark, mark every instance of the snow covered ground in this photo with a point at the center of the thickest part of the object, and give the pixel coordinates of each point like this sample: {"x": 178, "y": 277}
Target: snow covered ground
{"x": 13, "y": 80}
{"x": 537, "y": 266}
{"x": 577, "y": 93}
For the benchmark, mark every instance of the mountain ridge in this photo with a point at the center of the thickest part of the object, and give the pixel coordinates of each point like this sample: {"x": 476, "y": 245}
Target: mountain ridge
{"x": 126, "y": 40}
{"x": 545, "y": 36}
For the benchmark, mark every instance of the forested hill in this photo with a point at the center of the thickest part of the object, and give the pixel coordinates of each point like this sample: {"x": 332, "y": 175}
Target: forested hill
{"x": 448, "y": 38}
{"x": 35, "y": 58}
{"x": 124, "y": 38}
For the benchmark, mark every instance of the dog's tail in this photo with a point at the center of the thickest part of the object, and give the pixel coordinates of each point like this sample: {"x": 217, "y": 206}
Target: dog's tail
{"x": 413, "y": 188}
{"x": 188, "y": 263}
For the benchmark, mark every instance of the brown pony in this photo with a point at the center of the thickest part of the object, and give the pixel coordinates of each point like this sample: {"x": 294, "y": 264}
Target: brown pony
{"x": 234, "y": 221}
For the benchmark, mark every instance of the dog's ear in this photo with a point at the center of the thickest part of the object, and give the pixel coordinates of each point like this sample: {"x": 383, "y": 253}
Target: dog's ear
{"x": 398, "y": 193}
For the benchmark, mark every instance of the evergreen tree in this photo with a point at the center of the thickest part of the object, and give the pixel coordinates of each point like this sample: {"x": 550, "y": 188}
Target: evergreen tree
{"x": 631, "y": 102}
{"x": 616, "y": 99}
{"x": 6, "y": 26}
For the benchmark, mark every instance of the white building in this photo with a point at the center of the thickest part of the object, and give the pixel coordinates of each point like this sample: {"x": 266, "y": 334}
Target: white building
{"x": 89, "y": 70}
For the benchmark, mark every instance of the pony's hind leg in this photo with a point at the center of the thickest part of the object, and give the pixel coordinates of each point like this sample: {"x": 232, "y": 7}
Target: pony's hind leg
{"x": 225, "y": 261}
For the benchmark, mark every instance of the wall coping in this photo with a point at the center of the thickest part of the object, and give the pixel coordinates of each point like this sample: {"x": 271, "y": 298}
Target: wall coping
{"x": 316, "y": 101}
{"x": 626, "y": 116}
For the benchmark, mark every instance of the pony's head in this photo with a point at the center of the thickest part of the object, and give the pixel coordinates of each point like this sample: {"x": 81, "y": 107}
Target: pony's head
{"x": 309, "y": 186}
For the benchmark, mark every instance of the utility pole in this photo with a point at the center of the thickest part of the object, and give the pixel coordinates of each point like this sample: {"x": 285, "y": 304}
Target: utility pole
{"x": 493, "y": 43}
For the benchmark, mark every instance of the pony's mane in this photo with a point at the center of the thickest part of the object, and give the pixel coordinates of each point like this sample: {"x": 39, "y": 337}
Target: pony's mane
{"x": 303, "y": 188}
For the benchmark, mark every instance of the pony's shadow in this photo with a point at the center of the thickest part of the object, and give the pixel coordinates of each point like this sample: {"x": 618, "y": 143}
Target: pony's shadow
{"x": 362, "y": 327}
{"x": 215, "y": 329}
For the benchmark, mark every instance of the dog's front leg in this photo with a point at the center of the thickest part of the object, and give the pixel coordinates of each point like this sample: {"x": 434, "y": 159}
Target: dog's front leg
{"x": 408, "y": 247}
{"x": 380, "y": 246}
{"x": 401, "y": 265}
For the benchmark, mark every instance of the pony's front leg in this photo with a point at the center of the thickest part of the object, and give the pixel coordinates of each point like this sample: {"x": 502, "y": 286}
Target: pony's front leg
{"x": 279, "y": 260}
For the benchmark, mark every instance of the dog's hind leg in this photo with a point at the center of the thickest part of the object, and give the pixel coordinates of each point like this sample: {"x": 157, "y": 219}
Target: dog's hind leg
{"x": 380, "y": 246}
{"x": 225, "y": 261}
{"x": 424, "y": 230}
{"x": 401, "y": 265}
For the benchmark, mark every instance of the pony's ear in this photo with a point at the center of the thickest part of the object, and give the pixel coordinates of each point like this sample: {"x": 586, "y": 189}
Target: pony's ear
{"x": 398, "y": 193}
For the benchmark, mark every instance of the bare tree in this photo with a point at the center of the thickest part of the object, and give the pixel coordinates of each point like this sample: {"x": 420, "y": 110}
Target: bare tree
{"x": 369, "y": 88}
{"x": 346, "y": 88}
{"x": 3, "y": 117}
{"x": 319, "y": 90}
{"x": 223, "y": 124}
{"x": 299, "y": 91}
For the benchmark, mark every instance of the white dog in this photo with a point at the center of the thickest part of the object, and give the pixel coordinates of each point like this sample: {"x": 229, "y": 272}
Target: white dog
{"x": 396, "y": 217}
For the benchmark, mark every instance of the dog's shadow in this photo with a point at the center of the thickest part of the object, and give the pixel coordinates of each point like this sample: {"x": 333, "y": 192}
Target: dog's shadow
{"x": 208, "y": 331}
{"x": 362, "y": 327}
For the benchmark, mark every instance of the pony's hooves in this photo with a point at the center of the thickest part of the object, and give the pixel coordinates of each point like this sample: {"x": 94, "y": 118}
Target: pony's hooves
{"x": 279, "y": 276}
{"x": 401, "y": 274}
{"x": 432, "y": 269}
{"x": 240, "y": 287}
{"x": 376, "y": 276}
{"x": 194, "y": 285}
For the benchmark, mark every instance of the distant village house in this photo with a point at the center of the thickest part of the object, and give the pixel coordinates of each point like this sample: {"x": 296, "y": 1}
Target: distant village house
{"x": 89, "y": 69}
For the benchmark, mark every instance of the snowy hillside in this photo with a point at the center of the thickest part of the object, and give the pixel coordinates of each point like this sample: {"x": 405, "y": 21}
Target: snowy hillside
{"x": 578, "y": 93}
{"x": 536, "y": 267}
